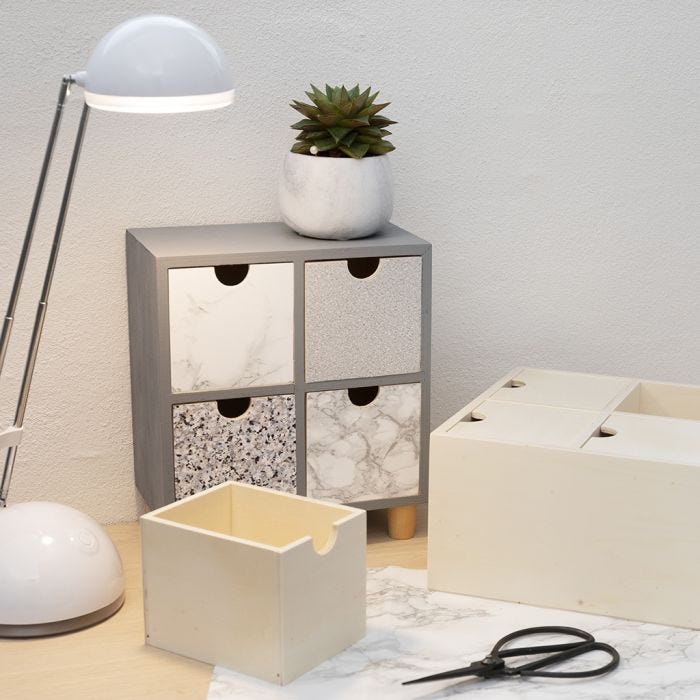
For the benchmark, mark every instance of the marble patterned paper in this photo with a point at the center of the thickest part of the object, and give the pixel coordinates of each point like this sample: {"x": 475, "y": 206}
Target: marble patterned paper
{"x": 363, "y": 327}
{"x": 257, "y": 448}
{"x": 362, "y": 453}
{"x": 225, "y": 337}
{"x": 413, "y": 632}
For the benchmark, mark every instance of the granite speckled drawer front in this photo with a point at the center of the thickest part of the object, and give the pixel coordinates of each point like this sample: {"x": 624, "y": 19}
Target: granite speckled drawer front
{"x": 363, "y": 317}
{"x": 252, "y": 440}
{"x": 231, "y": 326}
{"x": 363, "y": 444}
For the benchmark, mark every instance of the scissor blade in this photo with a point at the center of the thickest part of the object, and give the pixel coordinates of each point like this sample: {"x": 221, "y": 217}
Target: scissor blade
{"x": 475, "y": 669}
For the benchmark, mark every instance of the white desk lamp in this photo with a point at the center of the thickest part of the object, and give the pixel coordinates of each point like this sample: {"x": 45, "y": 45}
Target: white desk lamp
{"x": 59, "y": 571}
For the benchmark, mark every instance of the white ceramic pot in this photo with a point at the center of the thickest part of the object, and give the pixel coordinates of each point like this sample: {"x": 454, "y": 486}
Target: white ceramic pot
{"x": 336, "y": 198}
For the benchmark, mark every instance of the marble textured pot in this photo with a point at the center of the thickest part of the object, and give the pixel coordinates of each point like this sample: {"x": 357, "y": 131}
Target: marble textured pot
{"x": 335, "y": 198}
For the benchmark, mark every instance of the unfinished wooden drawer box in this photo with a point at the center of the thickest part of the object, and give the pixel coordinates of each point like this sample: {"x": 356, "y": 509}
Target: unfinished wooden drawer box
{"x": 265, "y": 583}
{"x": 571, "y": 491}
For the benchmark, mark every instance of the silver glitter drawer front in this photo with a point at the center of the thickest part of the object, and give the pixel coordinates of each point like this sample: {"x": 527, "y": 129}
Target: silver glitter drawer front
{"x": 363, "y": 452}
{"x": 255, "y": 445}
{"x": 363, "y": 321}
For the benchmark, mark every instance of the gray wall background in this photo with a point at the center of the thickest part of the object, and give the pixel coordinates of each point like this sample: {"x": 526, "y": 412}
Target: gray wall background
{"x": 549, "y": 151}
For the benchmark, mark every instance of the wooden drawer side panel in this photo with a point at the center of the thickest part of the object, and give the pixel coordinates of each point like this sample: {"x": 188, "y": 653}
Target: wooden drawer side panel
{"x": 211, "y": 599}
{"x": 609, "y": 535}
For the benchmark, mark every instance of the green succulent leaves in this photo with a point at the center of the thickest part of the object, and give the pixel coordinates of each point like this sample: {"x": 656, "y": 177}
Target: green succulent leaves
{"x": 342, "y": 123}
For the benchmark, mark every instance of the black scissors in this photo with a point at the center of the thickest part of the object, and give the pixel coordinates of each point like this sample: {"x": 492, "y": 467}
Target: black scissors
{"x": 494, "y": 666}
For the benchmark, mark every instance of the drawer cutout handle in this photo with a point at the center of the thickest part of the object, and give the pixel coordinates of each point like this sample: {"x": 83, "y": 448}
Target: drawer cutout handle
{"x": 231, "y": 275}
{"x": 473, "y": 417}
{"x": 514, "y": 384}
{"x": 233, "y": 408}
{"x": 604, "y": 432}
{"x": 363, "y": 395}
{"x": 362, "y": 267}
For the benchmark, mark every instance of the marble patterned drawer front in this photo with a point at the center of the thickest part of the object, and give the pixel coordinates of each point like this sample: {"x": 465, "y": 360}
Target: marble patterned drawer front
{"x": 225, "y": 336}
{"x": 363, "y": 327}
{"x": 363, "y": 453}
{"x": 258, "y": 448}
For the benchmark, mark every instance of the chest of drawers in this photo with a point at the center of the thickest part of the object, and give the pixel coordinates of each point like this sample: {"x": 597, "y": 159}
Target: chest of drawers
{"x": 272, "y": 359}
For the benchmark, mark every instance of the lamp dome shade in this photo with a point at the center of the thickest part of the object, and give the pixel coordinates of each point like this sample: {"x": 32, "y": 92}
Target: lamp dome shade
{"x": 157, "y": 63}
{"x": 59, "y": 570}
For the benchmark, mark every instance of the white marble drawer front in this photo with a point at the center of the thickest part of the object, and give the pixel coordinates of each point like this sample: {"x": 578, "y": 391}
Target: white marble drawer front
{"x": 358, "y": 453}
{"x": 231, "y": 326}
{"x": 248, "y": 440}
{"x": 363, "y": 317}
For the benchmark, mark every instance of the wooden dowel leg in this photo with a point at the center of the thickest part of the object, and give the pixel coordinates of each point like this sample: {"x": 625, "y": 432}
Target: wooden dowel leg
{"x": 402, "y": 522}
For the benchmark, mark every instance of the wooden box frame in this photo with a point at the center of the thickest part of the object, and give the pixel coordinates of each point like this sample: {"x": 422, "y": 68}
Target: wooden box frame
{"x": 596, "y": 512}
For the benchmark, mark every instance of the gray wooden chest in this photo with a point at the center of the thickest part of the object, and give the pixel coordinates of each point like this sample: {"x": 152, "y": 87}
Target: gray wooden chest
{"x": 265, "y": 357}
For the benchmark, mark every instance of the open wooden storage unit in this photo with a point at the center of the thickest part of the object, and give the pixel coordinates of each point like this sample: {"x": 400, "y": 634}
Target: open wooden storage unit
{"x": 266, "y": 583}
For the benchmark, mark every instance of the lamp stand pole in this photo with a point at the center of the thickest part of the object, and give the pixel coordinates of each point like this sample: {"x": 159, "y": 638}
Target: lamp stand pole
{"x": 48, "y": 275}
{"x": 59, "y": 570}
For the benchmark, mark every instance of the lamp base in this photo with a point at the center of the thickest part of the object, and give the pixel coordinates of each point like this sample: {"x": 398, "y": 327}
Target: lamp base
{"x": 61, "y": 626}
{"x": 59, "y": 570}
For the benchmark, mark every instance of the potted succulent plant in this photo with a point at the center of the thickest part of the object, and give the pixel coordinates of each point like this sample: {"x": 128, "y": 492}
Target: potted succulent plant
{"x": 336, "y": 181}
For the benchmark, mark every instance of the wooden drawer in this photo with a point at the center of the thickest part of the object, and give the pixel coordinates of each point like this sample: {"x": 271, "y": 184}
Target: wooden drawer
{"x": 231, "y": 326}
{"x": 268, "y": 584}
{"x": 505, "y": 421}
{"x": 248, "y": 440}
{"x": 363, "y": 317}
{"x": 663, "y": 399}
{"x": 534, "y": 386}
{"x": 357, "y": 452}
{"x": 648, "y": 437}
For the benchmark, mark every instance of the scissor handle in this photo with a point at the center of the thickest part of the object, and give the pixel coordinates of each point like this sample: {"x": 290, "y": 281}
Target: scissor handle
{"x": 531, "y": 669}
{"x": 557, "y": 653}
{"x": 542, "y": 648}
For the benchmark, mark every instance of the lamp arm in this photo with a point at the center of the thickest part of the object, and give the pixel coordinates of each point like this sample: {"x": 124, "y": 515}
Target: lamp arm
{"x": 29, "y": 235}
{"x": 43, "y": 301}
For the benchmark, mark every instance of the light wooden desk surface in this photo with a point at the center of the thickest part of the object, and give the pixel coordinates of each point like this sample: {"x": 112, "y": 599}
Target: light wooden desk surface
{"x": 110, "y": 660}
